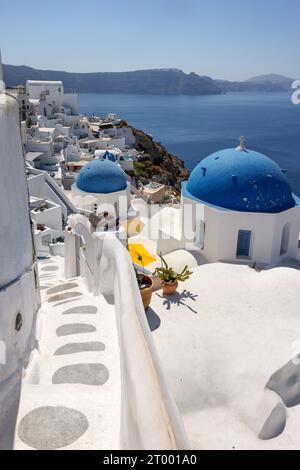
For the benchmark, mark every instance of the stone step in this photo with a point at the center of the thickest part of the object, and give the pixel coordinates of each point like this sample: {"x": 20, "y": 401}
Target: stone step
{"x": 66, "y": 417}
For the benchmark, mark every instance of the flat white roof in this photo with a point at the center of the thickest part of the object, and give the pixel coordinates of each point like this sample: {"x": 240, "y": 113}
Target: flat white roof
{"x": 30, "y": 156}
{"x": 220, "y": 338}
{"x": 43, "y": 82}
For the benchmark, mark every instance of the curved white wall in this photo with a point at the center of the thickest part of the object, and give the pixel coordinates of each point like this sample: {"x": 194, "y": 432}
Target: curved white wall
{"x": 19, "y": 295}
{"x": 15, "y": 232}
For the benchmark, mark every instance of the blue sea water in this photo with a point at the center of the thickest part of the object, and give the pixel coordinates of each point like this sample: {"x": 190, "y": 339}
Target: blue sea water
{"x": 194, "y": 127}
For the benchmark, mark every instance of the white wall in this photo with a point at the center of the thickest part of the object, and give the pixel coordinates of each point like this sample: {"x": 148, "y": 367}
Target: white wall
{"x": 21, "y": 297}
{"x": 35, "y": 88}
{"x": 18, "y": 281}
{"x": 35, "y": 145}
{"x": 127, "y": 133}
{"x": 222, "y": 227}
{"x": 15, "y": 233}
{"x": 70, "y": 100}
{"x": 51, "y": 217}
{"x": 39, "y": 187}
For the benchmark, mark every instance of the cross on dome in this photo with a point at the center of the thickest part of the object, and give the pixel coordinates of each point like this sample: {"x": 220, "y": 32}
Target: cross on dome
{"x": 242, "y": 145}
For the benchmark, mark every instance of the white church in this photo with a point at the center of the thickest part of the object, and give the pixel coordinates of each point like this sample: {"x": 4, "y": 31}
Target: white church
{"x": 243, "y": 209}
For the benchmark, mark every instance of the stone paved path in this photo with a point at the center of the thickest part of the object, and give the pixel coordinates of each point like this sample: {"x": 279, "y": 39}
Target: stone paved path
{"x": 70, "y": 396}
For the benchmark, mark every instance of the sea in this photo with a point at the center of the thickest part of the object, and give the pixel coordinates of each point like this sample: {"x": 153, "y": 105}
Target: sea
{"x": 192, "y": 127}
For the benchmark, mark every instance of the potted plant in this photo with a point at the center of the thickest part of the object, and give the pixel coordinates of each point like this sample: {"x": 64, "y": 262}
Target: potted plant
{"x": 169, "y": 278}
{"x": 145, "y": 284}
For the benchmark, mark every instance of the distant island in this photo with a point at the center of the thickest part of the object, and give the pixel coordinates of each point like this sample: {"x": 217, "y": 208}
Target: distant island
{"x": 267, "y": 83}
{"x": 151, "y": 82}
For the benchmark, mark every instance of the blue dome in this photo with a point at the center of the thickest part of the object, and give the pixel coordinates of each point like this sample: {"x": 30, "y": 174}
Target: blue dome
{"x": 109, "y": 156}
{"x": 101, "y": 177}
{"x": 240, "y": 180}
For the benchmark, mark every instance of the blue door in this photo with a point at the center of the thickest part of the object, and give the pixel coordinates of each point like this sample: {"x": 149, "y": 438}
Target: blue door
{"x": 243, "y": 243}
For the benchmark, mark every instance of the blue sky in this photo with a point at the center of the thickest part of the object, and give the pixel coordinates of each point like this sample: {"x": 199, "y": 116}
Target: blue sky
{"x": 231, "y": 39}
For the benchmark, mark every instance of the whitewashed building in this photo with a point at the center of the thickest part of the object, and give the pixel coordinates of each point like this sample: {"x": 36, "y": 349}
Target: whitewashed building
{"x": 241, "y": 208}
{"x": 50, "y": 98}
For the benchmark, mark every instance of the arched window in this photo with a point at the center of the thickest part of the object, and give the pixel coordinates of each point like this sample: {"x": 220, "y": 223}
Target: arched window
{"x": 285, "y": 239}
{"x": 201, "y": 234}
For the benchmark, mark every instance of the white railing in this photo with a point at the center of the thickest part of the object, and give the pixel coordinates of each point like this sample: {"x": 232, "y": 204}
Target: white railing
{"x": 150, "y": 418}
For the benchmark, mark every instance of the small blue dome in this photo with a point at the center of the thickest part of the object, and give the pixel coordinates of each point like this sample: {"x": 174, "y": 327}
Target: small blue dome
{"x": 240, "y": 180}
{"x": 109, "y": 156}
{"x": 101, "y": 177}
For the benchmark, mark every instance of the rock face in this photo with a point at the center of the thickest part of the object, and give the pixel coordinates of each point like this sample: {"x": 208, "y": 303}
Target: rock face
{"x": 156, "y": 163}
{"x": 156, "y": 81}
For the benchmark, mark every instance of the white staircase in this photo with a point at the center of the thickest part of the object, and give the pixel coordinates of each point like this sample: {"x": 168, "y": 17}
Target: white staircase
{"x": 70, "y": 396}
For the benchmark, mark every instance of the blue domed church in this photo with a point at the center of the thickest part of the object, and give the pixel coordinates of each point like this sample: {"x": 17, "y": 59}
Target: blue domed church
{"x": 102, "y": 183}
{"x": 243, "y": 208}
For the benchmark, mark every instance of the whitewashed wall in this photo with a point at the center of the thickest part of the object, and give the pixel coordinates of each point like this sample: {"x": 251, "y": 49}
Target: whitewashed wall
{"x": 15, "y": 234}
{"x": 222, "y": 227}
{"x": 18, "y": 280}
{"x": 127, "y": 133}
{"x": 35, "y": 88}
{"x": 51, "y": 217}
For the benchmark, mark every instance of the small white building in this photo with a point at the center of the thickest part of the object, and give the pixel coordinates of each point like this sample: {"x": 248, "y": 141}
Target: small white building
{"x": 242, "y": 209}
{"x": 49, "y": 97}
{"x": 115, "y": 155}
{"x": 19, "y": 93}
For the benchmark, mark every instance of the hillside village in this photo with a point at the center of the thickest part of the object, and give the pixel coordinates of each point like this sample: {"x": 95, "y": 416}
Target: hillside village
{"x": 141, "y": 307}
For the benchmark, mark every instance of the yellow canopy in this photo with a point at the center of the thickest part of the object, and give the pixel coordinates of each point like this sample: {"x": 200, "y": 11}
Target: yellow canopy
{"x": 140, "y": 255}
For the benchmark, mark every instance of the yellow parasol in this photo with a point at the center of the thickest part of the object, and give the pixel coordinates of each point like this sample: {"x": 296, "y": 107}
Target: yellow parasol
{"x": 140, "y": 255}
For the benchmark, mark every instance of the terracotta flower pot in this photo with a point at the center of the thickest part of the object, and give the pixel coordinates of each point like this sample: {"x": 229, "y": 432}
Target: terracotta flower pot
{"x": 169, "y": 287}
{"x": 146, "y": 293}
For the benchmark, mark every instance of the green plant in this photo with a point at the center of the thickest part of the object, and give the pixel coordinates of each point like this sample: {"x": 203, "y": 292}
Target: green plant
{"x": 141, "y": 278}
{"x": 167, "y": 274}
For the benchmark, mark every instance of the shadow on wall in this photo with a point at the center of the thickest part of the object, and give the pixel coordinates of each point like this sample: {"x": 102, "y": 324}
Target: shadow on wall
{"x": 8, "y": 416}
{"x": 179, "y": 299}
